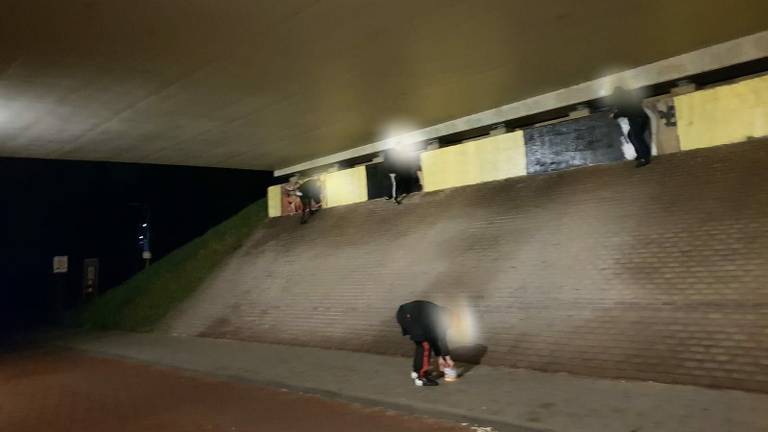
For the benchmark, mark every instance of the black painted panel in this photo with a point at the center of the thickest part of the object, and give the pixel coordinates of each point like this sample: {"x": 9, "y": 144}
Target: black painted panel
{"x": 585, "y": 141}
{"x": 379, "y": 184}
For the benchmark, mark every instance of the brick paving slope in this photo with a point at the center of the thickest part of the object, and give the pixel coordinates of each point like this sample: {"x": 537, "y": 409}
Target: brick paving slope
{"x": 656, "y": 273}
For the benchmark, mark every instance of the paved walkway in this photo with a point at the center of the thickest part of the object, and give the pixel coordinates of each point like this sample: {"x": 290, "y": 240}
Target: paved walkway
{"x": 506, "y": 399}
{"x": 50, "y": 390}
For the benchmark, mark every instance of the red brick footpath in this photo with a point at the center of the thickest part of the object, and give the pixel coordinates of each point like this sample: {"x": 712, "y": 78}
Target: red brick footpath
{"x": 506, "y": 399}
{"x": 65, "y": 391}
{"x": 655, "y": 274}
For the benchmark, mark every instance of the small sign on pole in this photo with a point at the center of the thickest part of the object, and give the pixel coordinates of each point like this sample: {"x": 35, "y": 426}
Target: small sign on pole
{"x": 61, "y": 264}
{"x": 90, "y": 276}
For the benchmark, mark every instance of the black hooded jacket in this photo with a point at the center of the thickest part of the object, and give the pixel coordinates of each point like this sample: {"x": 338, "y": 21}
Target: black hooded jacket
{"x": 424, "y": 321}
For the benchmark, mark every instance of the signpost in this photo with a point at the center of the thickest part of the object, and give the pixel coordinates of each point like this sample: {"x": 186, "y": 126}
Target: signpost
{"x": 144, "y": 231}
{"x": 61, "y": 264}
{"x": 60, "y": 269}
{"x": 90, "y": 277}
{"x": 146, "y": 252}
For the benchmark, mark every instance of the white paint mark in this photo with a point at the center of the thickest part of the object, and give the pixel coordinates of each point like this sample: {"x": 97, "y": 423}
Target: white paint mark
{"x": 483, "y": 429}
{"x": 626, "y": 145}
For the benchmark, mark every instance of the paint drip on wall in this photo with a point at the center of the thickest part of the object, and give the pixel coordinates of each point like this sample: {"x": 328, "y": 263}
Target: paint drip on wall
{"x": 626, "y": 145}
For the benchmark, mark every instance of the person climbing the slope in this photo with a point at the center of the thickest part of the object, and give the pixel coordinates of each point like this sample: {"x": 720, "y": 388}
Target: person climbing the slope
{"x": 311, "y": 194}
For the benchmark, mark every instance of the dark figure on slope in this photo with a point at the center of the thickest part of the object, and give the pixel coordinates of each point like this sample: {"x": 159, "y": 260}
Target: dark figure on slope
{"x": 311, "y": 194}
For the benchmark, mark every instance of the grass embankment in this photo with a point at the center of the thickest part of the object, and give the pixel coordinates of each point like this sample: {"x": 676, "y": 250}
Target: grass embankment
{"x": 141, "y": 302}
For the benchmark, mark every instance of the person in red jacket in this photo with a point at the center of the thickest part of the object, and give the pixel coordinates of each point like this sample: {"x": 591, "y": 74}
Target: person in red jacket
{"x": 426, "y": 324}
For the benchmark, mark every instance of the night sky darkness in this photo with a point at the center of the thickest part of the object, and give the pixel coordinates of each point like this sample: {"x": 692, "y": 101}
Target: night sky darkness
{"x": 83, "y": 210}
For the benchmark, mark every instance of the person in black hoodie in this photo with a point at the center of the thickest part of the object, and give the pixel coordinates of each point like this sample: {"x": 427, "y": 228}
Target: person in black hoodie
{"x": 426, "y": 324}
{"x": 627, "y": 105}
{"x": 402, "y": 166}
{"x": 311, "y": 194}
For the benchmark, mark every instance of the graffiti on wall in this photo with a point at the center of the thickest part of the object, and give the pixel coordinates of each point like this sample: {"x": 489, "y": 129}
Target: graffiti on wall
{"x": 663, "y": 124}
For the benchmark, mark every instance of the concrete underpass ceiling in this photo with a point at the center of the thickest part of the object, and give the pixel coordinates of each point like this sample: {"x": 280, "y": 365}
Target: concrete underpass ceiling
{"x": 267, "y": 84}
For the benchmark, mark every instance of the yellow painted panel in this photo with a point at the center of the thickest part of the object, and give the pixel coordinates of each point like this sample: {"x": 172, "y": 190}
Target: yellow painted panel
{"x": 723, "y": 115}
{"x": 346, "y": 187}
{"x": 274, "y": 201}
{"x": 484, "y": 160}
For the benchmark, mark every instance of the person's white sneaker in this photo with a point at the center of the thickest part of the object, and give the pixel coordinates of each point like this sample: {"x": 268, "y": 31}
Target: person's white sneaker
{"x": 414, "y": 375}
{"x": 425, "y": 382}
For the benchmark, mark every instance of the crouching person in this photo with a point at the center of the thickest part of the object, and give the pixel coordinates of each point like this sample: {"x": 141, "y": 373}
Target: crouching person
{"x": 426, "y": 324}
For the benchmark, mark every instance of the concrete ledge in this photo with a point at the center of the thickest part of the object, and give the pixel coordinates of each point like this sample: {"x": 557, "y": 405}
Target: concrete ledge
{"x": 714, "y": 57}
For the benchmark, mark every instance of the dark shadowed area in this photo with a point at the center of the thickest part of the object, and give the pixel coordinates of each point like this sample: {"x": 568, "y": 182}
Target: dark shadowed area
{"x": 94, "y": 210}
